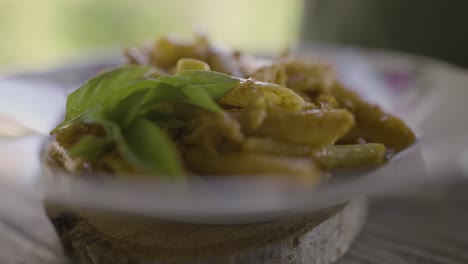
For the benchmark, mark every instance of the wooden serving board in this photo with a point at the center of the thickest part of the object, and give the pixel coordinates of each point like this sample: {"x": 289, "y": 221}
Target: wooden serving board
{"x": 104, "y": 237}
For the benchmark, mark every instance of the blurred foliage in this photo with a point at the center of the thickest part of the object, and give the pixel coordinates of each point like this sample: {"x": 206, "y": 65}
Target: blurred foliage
{"x": 45, "y": 31}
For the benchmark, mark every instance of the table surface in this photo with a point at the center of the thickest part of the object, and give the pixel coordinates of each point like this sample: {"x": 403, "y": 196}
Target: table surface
{"x": 429, "y": 225}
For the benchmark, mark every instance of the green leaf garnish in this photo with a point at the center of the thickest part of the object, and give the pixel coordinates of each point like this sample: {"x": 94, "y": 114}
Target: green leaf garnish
{"x": 128, "y": 109}
{"x": 164, "y": 120}
{"x": 199, "y": 97}
{"x": 98, "y": 90}
{"x": 214, "y": 83}
{"x": 90, "y": 147}
{"x": 153, "y": 148}
{"x": 115, "y": 134}
{"x": 122, "y": 102}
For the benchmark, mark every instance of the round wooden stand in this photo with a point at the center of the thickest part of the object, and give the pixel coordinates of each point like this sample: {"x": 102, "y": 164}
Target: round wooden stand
{"x": 103, "y": 237}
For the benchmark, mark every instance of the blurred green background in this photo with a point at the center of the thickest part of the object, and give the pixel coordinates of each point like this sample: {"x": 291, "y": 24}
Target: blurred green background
{"x": 432, "y": 28}
{"x": 45, "y": 32}
{"x": 36, "y": 33}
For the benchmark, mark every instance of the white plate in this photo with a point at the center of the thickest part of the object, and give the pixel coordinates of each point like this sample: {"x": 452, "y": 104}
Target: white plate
{"x": 429, "y": 95}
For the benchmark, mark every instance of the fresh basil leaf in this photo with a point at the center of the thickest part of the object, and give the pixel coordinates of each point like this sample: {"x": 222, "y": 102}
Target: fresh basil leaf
{"x": 199, "y": 97}
{"x": 90, "y": 147}
{"x": 99, "y": 89}
{"x": 128, "y": 109}
{"x": 190, "y": 94}
{"x": 142, "y": 144}
{"x": 110, "y": 103}
{"x": 127, "y": 103}
{"x": 73, "y": 121}
{"x": 164, "y": 120}
{"x": 164, "y": 92}
{"x": 141, "y": 100}
{"x": 201, "y": 87}
{"x": 153, "y": 148}
{"x": 214, "y": 83}
{"x": 118, "y": 100}
{"x": 173, "y": 81}
{"x": 114, "y": 134}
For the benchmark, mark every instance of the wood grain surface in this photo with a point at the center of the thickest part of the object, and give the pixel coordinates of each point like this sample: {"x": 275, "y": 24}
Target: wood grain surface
{"x": 322, "y": 236}
{"x": 424, "y": 226}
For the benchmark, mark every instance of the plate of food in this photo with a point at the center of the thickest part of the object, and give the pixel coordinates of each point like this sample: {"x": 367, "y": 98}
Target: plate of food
{"x": 189, "y": 131}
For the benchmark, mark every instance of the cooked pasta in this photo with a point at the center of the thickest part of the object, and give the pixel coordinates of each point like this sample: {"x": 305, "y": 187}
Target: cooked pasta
{"x": 189, "y": 108}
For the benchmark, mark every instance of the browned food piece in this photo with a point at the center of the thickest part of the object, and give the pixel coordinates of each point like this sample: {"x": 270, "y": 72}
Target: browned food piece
{"x": 191, "y": 64}
{"x": 326, "y": 101}
{"x": 335, "y": 157}
{"x": 245, "y": 93}
{"x": 249, "y": 90}
{"x": 114, "y": 163}
{"x": 330, "y": 157}
{"x": 236, "y": 163}
{"x": 312, "y": 127}
{"x": 168, "y": 50}
{"x": 57, "y": 157}
{"x": 309, "y": 74}
{"x": 203, "y": 129}
{"x": 138, "y": 55}
{"x": 372, "y": 123}
{"x": 225, "y": 62}
{"x": 70, "y": 135}
{"x": 274, "y": 73}
{"x": 212, "y": 132}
